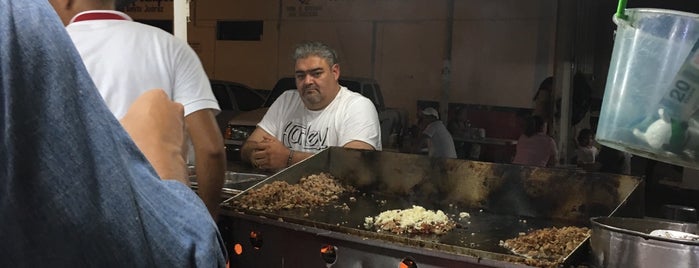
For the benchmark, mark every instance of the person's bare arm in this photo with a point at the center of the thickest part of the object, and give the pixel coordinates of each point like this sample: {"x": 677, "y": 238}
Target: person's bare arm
{"x": 298, "y": 156}
{"x": 264, "y": 151}
{"x": 251, "y": 144}
{"x": 210, "y": 157}
{"x": 359, "y": 145}
{"x": 156, "y": 125}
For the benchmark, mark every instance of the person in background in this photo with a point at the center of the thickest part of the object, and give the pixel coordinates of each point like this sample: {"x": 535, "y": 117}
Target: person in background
{"x": 77, "y": 189}
{"x": 434, "y": 135}
{"x": 614, "y": 161}
{"x": 542, "y": 100}
{"x": 534, "y": 147}
{"x": 320, "y": 113}
{"x": 125, "y": 58}
{"x": 586, "y": 153}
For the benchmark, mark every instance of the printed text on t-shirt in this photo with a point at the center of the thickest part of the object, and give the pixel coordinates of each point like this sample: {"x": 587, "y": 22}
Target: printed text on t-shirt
{"x": 305, "y": 136}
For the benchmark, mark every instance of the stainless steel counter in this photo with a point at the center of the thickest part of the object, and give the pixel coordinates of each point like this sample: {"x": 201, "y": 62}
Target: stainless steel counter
{"x": 239, "y": 166}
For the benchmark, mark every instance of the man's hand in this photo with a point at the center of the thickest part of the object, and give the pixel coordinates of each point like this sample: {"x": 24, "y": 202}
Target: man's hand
{"x": 269, "y": 153}
{"x": 156, "y": 125}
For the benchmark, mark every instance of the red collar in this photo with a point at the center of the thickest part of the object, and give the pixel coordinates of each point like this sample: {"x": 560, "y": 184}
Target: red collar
{"x": 98, "y": 16}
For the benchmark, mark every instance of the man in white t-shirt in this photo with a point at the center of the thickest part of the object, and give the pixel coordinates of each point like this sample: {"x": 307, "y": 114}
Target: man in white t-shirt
{"x": 319, "y": 114}
{"x": 435, "y": 135}
{"x": 126, "y": 58}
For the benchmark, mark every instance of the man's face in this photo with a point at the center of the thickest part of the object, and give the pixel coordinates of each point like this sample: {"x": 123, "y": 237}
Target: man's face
{"x": 316, "y": 81}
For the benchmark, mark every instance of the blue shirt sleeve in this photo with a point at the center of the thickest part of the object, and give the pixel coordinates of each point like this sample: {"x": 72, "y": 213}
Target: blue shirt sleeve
{"x": 75, "y": 191}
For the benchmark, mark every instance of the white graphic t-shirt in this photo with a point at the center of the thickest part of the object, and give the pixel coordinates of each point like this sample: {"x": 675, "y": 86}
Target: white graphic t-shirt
{"x": 349, "y": 117}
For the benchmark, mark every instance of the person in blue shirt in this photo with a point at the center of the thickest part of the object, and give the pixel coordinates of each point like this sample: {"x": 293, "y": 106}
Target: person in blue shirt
{"x": 76, "y": 188}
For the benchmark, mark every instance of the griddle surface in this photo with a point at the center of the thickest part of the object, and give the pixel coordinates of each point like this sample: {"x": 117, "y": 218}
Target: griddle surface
{"x": 482, "y": 231}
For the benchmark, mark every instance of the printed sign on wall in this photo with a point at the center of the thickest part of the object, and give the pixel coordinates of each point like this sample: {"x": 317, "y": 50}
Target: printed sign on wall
{"x": 150, "y": 9}
{"x": 303, "y": 8}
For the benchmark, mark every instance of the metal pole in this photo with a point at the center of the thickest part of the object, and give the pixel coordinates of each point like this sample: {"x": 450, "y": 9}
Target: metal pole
{"x": 566, "y": 95}
{"x": 563, "y": 69}
{"x": 446, "y": 68}
{"x": 180, "y": 17}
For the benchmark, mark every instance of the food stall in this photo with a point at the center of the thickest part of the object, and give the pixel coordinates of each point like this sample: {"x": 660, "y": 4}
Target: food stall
{"x": 488, "y": 204}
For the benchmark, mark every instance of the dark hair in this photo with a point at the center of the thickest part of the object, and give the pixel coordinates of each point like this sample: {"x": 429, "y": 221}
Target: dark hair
{"x": 584, "y": 137}
{"x": 534, "y": 124}
{"x": 545, "y": 85}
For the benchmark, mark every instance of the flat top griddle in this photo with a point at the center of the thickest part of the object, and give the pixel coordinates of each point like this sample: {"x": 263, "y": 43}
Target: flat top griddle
{"x": 482, "y": 231}
{"x": 502, "y": 200}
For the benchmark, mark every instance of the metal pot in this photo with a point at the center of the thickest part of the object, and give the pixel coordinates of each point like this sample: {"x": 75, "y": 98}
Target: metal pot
{"x": 626, "y": 242}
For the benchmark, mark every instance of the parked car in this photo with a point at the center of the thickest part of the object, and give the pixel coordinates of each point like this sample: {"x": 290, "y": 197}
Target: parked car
{"x": 234, "y": 98}
{"x": 242, "y": 125}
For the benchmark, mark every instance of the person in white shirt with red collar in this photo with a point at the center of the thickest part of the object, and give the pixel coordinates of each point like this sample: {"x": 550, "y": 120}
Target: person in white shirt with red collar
{"x": 126, "y": 58}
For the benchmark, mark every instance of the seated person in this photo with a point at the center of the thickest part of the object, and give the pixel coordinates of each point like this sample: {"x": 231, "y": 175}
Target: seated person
{"x": 586, "y": 153}
{"x": 534, "y": 147}
{"x": 434, "y": 135}
{"x": 318, "y": 114}
{"x": 77, "y": 189}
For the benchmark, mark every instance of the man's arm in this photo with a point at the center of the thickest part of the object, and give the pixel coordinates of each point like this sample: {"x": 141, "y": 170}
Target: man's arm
{"x": 270, "y": 153}
{"x": 359, "y": 145}
{"x": 210, "y": 157}
{"x": 298, "y": 156}
{"x": 251, "y": 144}
{"x": 156, "y": 125}
{"x": 264, "y": 151}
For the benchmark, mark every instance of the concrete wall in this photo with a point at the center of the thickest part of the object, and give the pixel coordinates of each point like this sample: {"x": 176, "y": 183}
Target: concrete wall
{"x": 499, "y": 49}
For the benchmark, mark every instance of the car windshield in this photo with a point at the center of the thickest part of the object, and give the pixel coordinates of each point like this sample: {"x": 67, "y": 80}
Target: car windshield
{"x": 233, "y": 96}
{"x": 282, "y": 85}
